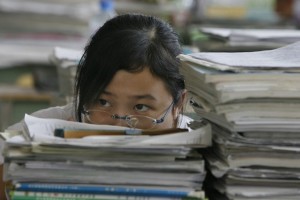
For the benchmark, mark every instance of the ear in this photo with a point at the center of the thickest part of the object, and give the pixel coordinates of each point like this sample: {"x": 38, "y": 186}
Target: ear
{"x": 178, "y": 108}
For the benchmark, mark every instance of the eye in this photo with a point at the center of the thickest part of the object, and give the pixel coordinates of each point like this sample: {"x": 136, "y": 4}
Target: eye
{"x": 141, "y": 107}
{"x": 103, "y": 103}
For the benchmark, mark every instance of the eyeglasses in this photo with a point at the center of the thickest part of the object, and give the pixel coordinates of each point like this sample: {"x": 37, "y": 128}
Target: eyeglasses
{"x": 133, "y": 121}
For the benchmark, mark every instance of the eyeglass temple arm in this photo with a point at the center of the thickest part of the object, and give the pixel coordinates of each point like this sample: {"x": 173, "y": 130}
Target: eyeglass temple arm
{"x": 161, "y": 120}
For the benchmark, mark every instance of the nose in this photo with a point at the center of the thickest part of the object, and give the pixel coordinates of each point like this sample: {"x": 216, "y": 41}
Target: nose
{"x": 119, "y": 112}
{"x": 119, "y": 122}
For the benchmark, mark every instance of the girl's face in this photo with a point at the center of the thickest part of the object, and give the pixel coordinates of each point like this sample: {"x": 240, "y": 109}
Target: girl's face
{"x": 138, "y": 94}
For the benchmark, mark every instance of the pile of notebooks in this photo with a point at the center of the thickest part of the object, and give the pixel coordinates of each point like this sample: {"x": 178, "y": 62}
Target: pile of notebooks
{"x": 252, "y": 100}
{"x": 129, "y": 165}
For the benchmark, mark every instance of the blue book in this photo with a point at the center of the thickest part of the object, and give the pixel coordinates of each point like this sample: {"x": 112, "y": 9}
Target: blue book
{"x": 26, "y": 195}
{"x": 107, "y": 190}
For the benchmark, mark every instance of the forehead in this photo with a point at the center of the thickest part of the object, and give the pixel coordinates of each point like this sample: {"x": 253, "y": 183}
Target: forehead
{"x": 134, "y": 84}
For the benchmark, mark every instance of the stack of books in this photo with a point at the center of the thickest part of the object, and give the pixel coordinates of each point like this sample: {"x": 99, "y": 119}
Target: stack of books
{"x": 54, "y": 159}
{"x": 65, "y": 60}
{"x": 246, "y": 39}
{"x": 30, "y": 29}
{"x": 252, "y": 100}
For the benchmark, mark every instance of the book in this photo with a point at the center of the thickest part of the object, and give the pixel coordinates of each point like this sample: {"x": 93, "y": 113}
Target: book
{"x": 80, "y": 133}
{"x": 252, "y": 101}
{"x": 258, "y": 95}
{"x": 282, "y": 59}
{"x": 25, "y": 195}
{"x": 265, "y": 38}
{"x": 43, "y": 131}
{"x": 221, "y": 88}
{"x": 106, "y": 190}
{"x": 167, "y": 162}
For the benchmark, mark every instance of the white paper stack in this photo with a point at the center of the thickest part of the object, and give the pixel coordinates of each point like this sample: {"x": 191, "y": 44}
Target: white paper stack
{"x": 30, "y": 29}
{"x": 249, "y": 39}
{"x": 168, "y": 163}
{"x": 66, "y": 60}
{"x": 252, "y": 100}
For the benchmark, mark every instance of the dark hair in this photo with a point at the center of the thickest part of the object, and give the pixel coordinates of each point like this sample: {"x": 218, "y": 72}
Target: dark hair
{"x": 129, "y": 42}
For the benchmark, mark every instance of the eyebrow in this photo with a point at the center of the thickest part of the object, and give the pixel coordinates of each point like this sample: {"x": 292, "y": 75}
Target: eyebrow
{"x": 143, "y": 96}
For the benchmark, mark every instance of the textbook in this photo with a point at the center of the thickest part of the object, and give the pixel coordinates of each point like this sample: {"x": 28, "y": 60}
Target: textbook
{"x": 77, "y": 133}
{"x": 43, "y": 131}
{"x": 252, "y": 102}
{"x": 222, "y": 88}
{"x": 24, "y": 195}
{"x": 283, "y": 59}
{"x": 261, "y": 94}
{"x": 163, "y": 163}
{"x": 107, "y": 190}
{"x": 250, "y": 38}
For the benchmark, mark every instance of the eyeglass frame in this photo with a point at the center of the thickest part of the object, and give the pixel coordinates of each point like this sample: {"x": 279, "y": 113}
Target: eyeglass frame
{"x": 127, "y": 117}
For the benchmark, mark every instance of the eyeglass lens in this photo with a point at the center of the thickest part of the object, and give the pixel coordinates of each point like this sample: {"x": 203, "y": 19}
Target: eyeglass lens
{"x": 133, "y": 121}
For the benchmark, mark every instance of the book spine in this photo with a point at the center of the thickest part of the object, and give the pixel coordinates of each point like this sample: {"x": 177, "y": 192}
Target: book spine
{"x": 108, "y": 190}
{"x": 24, "y": 195}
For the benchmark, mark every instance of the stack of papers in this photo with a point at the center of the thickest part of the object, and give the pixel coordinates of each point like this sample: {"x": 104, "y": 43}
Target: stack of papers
{"x": 66, "y": 60}
{"x": 30, "y": 28}
{"x": 125, "y": 166}
{"x": 252, "y": 101}
{"x": 249, "y": 39}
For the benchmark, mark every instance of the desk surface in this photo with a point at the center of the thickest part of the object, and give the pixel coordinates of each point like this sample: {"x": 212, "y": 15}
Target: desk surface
{"x": 15, "y": 93}
{"x": 16, "y": 101}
